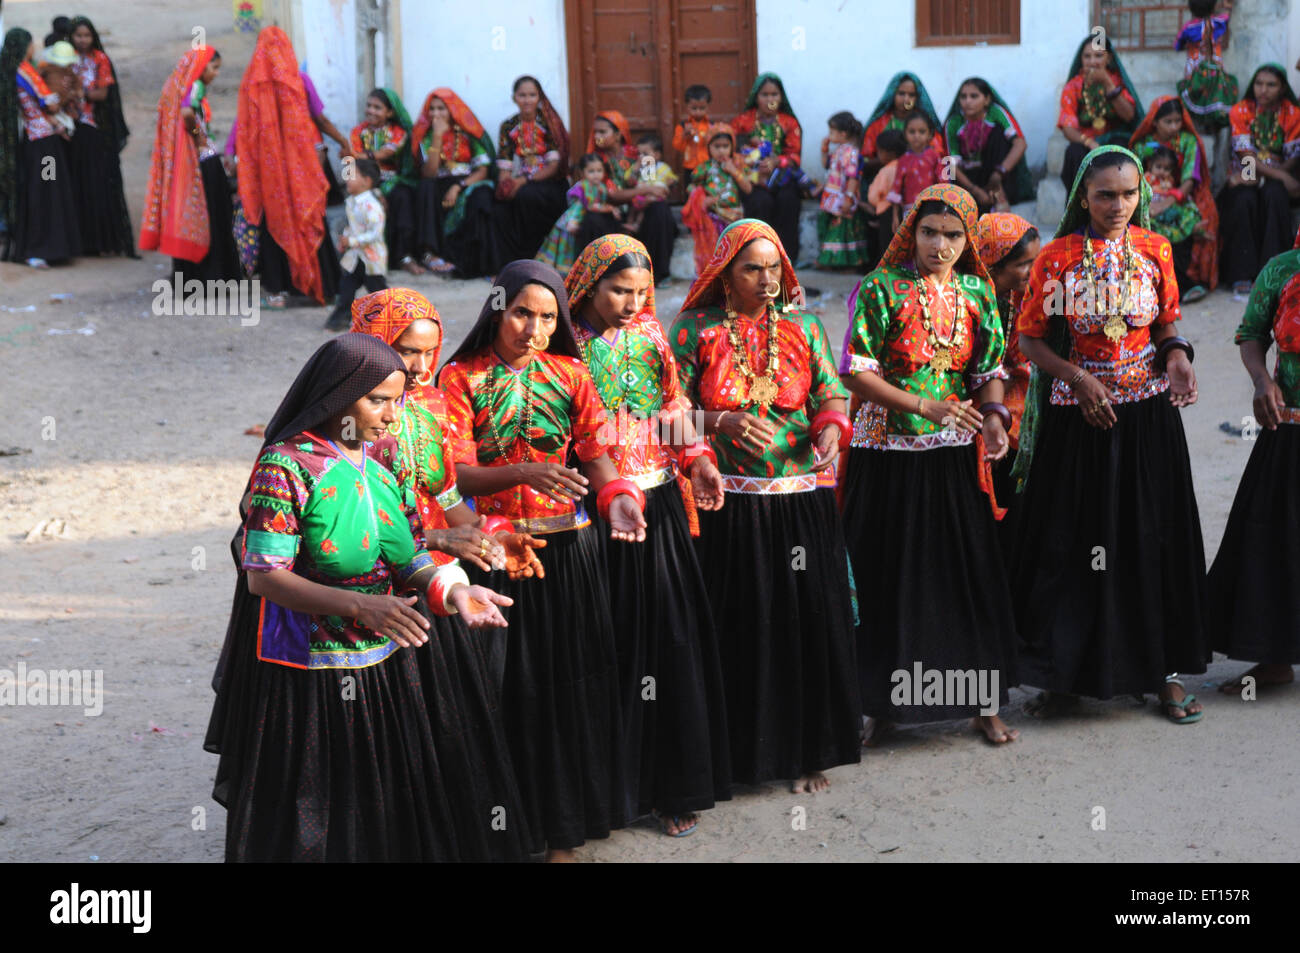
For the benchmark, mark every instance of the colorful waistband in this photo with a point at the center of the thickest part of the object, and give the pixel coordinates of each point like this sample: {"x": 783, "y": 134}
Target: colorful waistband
{"x": 652, "y": 478}
{"x": 1290, "y": 415}
{"x": 552, "y": 524}
{"x": 799, "y": 483}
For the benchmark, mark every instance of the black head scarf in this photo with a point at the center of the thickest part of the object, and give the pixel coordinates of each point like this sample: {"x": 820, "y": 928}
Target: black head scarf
{"x": 11, "y": 56}
{"x": 511, "y": 280}
{"x": 341, "y": 372}
{"x": 108, "y": 113}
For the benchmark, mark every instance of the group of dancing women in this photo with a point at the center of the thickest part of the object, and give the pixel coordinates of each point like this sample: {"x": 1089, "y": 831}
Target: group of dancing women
{"x": 587, "y": 571}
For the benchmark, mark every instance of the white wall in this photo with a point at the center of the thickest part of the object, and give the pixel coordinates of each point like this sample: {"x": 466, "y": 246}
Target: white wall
{"x": 327, "y": 44}
{"x": 478, "y": 47}
{"x": 852, "y": 48}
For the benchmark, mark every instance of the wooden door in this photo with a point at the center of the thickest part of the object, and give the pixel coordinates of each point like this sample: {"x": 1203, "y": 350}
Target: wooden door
{"x": 638, "y": 56}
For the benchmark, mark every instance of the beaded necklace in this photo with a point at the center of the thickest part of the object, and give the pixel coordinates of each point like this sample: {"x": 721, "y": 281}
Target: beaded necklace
{"x": 1115, "y": 327}
{"x": 524, "y": 431}
{"x": 761, "y": 390}
{"x": 945, "y": 349}
{"x": 1093, "y": 104}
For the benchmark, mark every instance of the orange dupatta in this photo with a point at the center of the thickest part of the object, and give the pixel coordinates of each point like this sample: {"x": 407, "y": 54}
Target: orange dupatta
{"x": 175, "y": 218}
{"x": 279, "y": 173}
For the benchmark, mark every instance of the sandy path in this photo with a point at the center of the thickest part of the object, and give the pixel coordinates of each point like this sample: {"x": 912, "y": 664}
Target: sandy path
{"x": 148, "y": 461}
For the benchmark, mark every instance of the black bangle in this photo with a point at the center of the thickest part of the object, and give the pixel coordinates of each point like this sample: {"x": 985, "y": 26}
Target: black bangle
{"x": 1115, "y": 92}
{"x": 1169, "y": 344}
{"x": 993, "y": 407}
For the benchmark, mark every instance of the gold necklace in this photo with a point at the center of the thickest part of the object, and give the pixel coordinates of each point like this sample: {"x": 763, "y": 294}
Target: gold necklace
{"x": 1115, "y": 327}
{"x": 761, "y": 390}
{"x": 941, "y": 361}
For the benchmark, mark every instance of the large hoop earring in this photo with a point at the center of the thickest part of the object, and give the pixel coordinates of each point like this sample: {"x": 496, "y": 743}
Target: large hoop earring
{"x": 425, "y": 379}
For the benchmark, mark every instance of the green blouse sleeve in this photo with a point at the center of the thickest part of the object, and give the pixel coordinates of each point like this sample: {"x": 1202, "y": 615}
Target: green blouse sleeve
{"x": 683, "y": 338}
{"x": 1257, "y": 322}
{"x": 825, "y": 383}
{"x": 1187, "y": 149}
{"x": 990, "y": 342}
{"x": 870, "y": 321}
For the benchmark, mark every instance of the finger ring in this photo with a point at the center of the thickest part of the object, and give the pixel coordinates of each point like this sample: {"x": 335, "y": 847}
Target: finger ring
{"x": 1104, "y": 402}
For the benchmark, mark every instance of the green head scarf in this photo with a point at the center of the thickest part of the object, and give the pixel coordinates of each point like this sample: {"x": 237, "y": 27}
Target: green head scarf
{"x": 956, "y": 119}
{"x": 11, "y": 56}
{"x": 886, "y": 104}
{"x": 751, "y": 101}
{"x": 1279, "y": 70}
{"x": 1075, "y": 219}
{"x": 406, "y": 171}
{"x": 1076, "y": 67}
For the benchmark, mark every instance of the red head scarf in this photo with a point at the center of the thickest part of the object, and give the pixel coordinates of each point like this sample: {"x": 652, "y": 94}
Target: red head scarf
{"x": 592, "y": 265}
{"x": 175, "y": 218}
{"x": 279, "y": 172}
{"x": 707, "y": 288}
{"x": 615, "y": 119}
{"x": 903, "y": 248}
{"x": 461, "y": 116}
{"x": 996, "y": 234}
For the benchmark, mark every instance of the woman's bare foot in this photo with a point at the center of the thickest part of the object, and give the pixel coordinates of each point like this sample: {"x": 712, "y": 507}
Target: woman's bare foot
{"x": 812, "y": 783}
{"x": 874, "y": 731}
{"x": 994, "y": 729}
{"x": 558, "y": 855}
{"x": 1278, "y": 673}
{"x": 677, "y": 825}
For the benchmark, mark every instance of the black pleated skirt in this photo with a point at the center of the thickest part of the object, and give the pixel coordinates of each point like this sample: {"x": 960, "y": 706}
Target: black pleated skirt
{"x": 780, "y": 209}
{"x": 399, "y": 761}
{"x": 429, "y": 213}
{"x": 97, "y": 186}
{"x": 675, "y": 724}
{"x": 1254, "y": 584}
{"x": 1004, "y": 488}
{"x": 399, "y": 226}
{"x": 1108, "y": 573}
{"x": 273, "y": 265}
{"x": 48, "y": 224}
{"x": 926, "y": 558}
{"x": 476, "y": 247}
{"x": 525, "y": 220}
{"x": 777, "y": 577}
{"x": 1254, "y": 226}
{"x": 557, "y": 669}
{"x": 221, "y": 263}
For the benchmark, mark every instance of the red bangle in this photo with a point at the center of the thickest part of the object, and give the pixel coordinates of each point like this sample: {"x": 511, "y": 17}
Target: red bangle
{"x": 825, "y": 417}
{"x": 496, "y": 524}
{"x": 690, "y": 454}
{"x": 1177, "y": 195}
{"x": 612, "y": 489}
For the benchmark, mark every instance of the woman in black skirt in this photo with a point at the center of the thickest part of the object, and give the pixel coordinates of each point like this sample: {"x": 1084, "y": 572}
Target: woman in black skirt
{"x": 769, "y": 119}
{"x": 188, "y": 213}
{"x": 1108, "y": 573}
{"x": 328, "y": 750}
{"x": 457, "y": 166}
{"x": 100, "y": 137}
{"x": 773, "y": 557}
{"x": 523, "y": 407}
{"x": 532, "y": 157}
{"x": 924, "y": 353}
{"x": 611, "y": 139}
{"x": 1255, "y": 202}
{"x": 282, "y": 185}
{"x": 1253, "y": 597}
{"x": 674, "y": 714}
{"x": 39, "y": 208}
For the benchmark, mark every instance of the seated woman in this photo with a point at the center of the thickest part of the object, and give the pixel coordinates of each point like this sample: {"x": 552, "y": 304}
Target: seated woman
{"x": 1168, "y": 125}
{"x": 611, "y": 139}
{"x": 40, "y": 212}
{"x": 904, "y": 94}
{"x": 532, "y": 156}
{"x": 282, "y": 185}
{"x": 981, "y": 130}
{"x": 768, "y": 117}
{"x": 1254, "y": 203}
{"x": 454, "y": 199}
{"x": 330, "y": 749}
{"x": 1099, "y": 105}
{"x": 101, "y": 135}
{"x": 383, "y": 136}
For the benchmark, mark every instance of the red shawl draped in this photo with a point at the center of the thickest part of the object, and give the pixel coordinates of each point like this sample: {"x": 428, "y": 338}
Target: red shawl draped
{"x": 461, "y": 116}
{"x": 175, "y": 219}
{"x": 279, "y": 172}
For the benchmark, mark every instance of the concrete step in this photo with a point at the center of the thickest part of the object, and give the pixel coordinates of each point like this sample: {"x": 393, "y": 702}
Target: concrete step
{"x": 1056, "y": 146}
{"x": 1049, "y": 204}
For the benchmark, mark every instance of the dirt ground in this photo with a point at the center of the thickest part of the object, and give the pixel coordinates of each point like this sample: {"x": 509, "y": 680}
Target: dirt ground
{"x": 145, "y": 467}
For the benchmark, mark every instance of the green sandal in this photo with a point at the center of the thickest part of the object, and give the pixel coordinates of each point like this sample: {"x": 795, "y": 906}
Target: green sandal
{"x": 1171, "y": 707}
